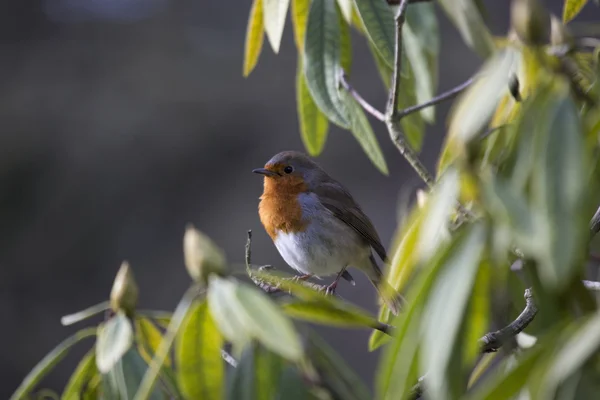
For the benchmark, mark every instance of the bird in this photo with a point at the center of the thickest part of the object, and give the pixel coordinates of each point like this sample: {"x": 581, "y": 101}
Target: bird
{"x": 317, "y": 226}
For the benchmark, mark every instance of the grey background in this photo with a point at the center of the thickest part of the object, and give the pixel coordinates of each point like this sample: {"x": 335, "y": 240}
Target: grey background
{"x": 122, "y": 120}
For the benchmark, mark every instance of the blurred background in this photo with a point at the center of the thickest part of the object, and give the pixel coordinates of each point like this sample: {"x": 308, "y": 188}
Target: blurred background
{"x": 125, "y": 119}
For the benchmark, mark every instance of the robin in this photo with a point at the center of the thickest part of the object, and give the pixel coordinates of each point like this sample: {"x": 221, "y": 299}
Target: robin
{"x": 316, "y": 225}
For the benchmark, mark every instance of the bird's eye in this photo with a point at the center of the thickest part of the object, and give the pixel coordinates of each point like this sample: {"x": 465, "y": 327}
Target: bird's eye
{"x": 288, "y": 170}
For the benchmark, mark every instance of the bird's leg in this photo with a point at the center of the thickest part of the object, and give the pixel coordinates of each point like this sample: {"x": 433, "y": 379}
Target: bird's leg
{"x": 331, "y": 288}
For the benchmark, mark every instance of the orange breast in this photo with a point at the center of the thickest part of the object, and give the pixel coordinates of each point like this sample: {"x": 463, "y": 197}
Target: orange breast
{"x": 279, "y": 208}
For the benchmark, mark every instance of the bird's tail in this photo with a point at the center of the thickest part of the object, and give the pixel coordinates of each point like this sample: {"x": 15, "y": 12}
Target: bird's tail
{"x": 390, "y": 296}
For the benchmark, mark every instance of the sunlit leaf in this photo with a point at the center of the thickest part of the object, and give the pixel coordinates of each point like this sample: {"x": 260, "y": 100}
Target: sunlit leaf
{"x": 49, "y": 362}
{"x": 466, "y": 17}
{"x": 243, "y": 313}
{"x": 337, "y": 376}
{"x": 299, "y": 18}
{"x": 313, "y": 123}
{"x": 346, "y": 8}
{"x": 446, "y": 309}
{"x": 572, "y": 8}
{"x": 84, "y": 314}
{"x": 275, "y": 12}
{"x": 421, "y": 43}
{"x": 378, "y": 19}
{"x": 79, "y": 381}
{"x": 115, "y": 337}
{"x": 363, "y": 133}
{"x": 200, "y": 369}
{"x": 322, "y": 60}
{"x": 254, "y": 37}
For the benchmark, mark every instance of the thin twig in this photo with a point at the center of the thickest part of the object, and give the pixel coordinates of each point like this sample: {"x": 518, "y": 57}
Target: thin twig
{"x": 392, "y": 107}
{"x": 437, "y": 99}
{"x": 364, "y": 104}
{"x": 591, "y": 285}
{"x": 595, "y": 223}
{"x": 492, "y": 341}
{"x": 587, "y": 42}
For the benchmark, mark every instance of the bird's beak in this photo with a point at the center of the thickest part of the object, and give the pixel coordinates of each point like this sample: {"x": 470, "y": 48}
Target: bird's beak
{"x": 265, "y": 172}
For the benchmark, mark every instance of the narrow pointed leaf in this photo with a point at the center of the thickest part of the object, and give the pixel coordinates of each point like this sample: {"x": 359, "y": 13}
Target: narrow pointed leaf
{"x": 468, "y": 20}
{"x": 257, "y": 376}
{"x": 200, "y": 369}
{"x": 362, "y": 131}
{"x": 84, "y": 314}
{"x": 85, "y": 371}
{"x": 300, "y": 10}
{"x": 115, "y": 337}
{"x": 572, "y": 8}
{"x": 275, "y": 12}
{"x": 254, "y": 37}
{"x": 346, "y": 7}
{"x": 49, "y": 362}
{"x": 313, "y": 123}
{"x": 345, "y": 45}
{"x": 148, "y": 338}
{"x": 125, "y": 376}
{"x": 322, "y": 60}
{"x": 378, "y": 20}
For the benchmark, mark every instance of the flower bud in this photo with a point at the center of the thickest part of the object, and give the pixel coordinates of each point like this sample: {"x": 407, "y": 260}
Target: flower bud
{"x": 202, "y": 257}
{"x": 530, "y": 21}
{"x": 124, "y": 293}
{"x": 559, "y": 34}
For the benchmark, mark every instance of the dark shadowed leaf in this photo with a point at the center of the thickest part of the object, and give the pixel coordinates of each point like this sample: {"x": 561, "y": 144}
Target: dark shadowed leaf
{"x": 49, "y": 362}
{"x": 199, "y": 366}
{"x": 80, "y": 380}
{"x": 378, "y": 19}
{"x": 362, "y": 131}
{"x": 254, "y": 37}
{"x": 244, "y": 312}
{"x": 422, "y": 44}
{"x": 333, "y": 370}
{"x": 123, "y": 380}
{"x": 446, "y": 309}
{"x": 115, "y": 337}
{"x": 84, "y": 314}
{"x": 322, "y": 60}
{"x": 313, "y": 123}
{"x": 293, "y": 386}
{"x": 275, "y": 12}
{"x": 572, "y": 8}
{"x": 466, "y": 17}
{"x": 257, "y": 375}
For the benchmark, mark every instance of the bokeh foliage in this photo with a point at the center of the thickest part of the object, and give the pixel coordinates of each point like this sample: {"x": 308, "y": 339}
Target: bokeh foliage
{"x": 516, "y": 185}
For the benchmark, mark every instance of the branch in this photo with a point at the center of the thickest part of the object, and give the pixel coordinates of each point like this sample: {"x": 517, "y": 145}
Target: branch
{"x": 364, "y": 104}
{"x": 595, "y": 223}
{"x": 392, "y": 107}
{"x": 492, "y": 341}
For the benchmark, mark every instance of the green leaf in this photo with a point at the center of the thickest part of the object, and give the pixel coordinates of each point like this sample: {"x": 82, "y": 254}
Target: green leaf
{"x": 292, "y": 386}
{"x": 200, "y": 369}
{"x": 572, "y": 8}
{"x": 478, "y": 316}
{"x": 422, "y": 45}
{"x": 275, "y": 12}
{"x": 478, "y": 103}
{"x": 79, "y": 381}
{"x": 49, "y": 362}
{"x": 331, "y": 313}
{"x": 322, "y": 60}
{"x": 254, "y": 37}
{"x": 385, "y": 71}
{"x": 413, "y": 124}
{"x": 313, "y": 123}
{"x": 333, "y": 370}
{"x": 243, "y": 312}
{"x": 84, "y": 314}
{"x": 378, "y": 20}
{"x": 346, "y": 8}
{"x": 115, "y": 337}
{"x": 123, "y": 380}
{"x": 299, "y": 18}
{"x": 345, "y": 44}
{"x": 362, "y": 131}
{"x": 147, "y": 384}
{"x": 469, "y": 22}
{"x": 446, "y": 309}
{"x": 257, "y": 375}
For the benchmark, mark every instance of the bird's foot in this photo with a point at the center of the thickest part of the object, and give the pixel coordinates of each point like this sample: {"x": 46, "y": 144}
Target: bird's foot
{"x": 330, "y": 290}
{"x": 297, "y": 278}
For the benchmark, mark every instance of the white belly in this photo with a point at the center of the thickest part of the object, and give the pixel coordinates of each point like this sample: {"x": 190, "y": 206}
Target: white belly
{"x": 325, "y": 247}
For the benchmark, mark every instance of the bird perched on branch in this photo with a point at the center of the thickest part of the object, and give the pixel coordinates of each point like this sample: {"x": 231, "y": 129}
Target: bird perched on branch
{"x": 316, "y": 225}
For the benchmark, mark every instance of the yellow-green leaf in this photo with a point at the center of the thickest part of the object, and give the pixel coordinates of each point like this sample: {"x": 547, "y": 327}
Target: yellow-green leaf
{"x": 85, "y": 371}
{"x": 313, "y": 123}
{"x": 572, "y": 8}
{"x": 200, "y": 369}
{"x": 275, "y": 12}
{"x": 346, "y": 7}
{"x": 299, "y": 17}
{"x": 254, "y": 37}
{"x": 148, "y": 338}
{"x": 345, "y": 45}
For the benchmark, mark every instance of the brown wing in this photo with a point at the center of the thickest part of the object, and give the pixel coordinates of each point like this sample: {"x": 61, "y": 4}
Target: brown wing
{"x": 337, "y": 200}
